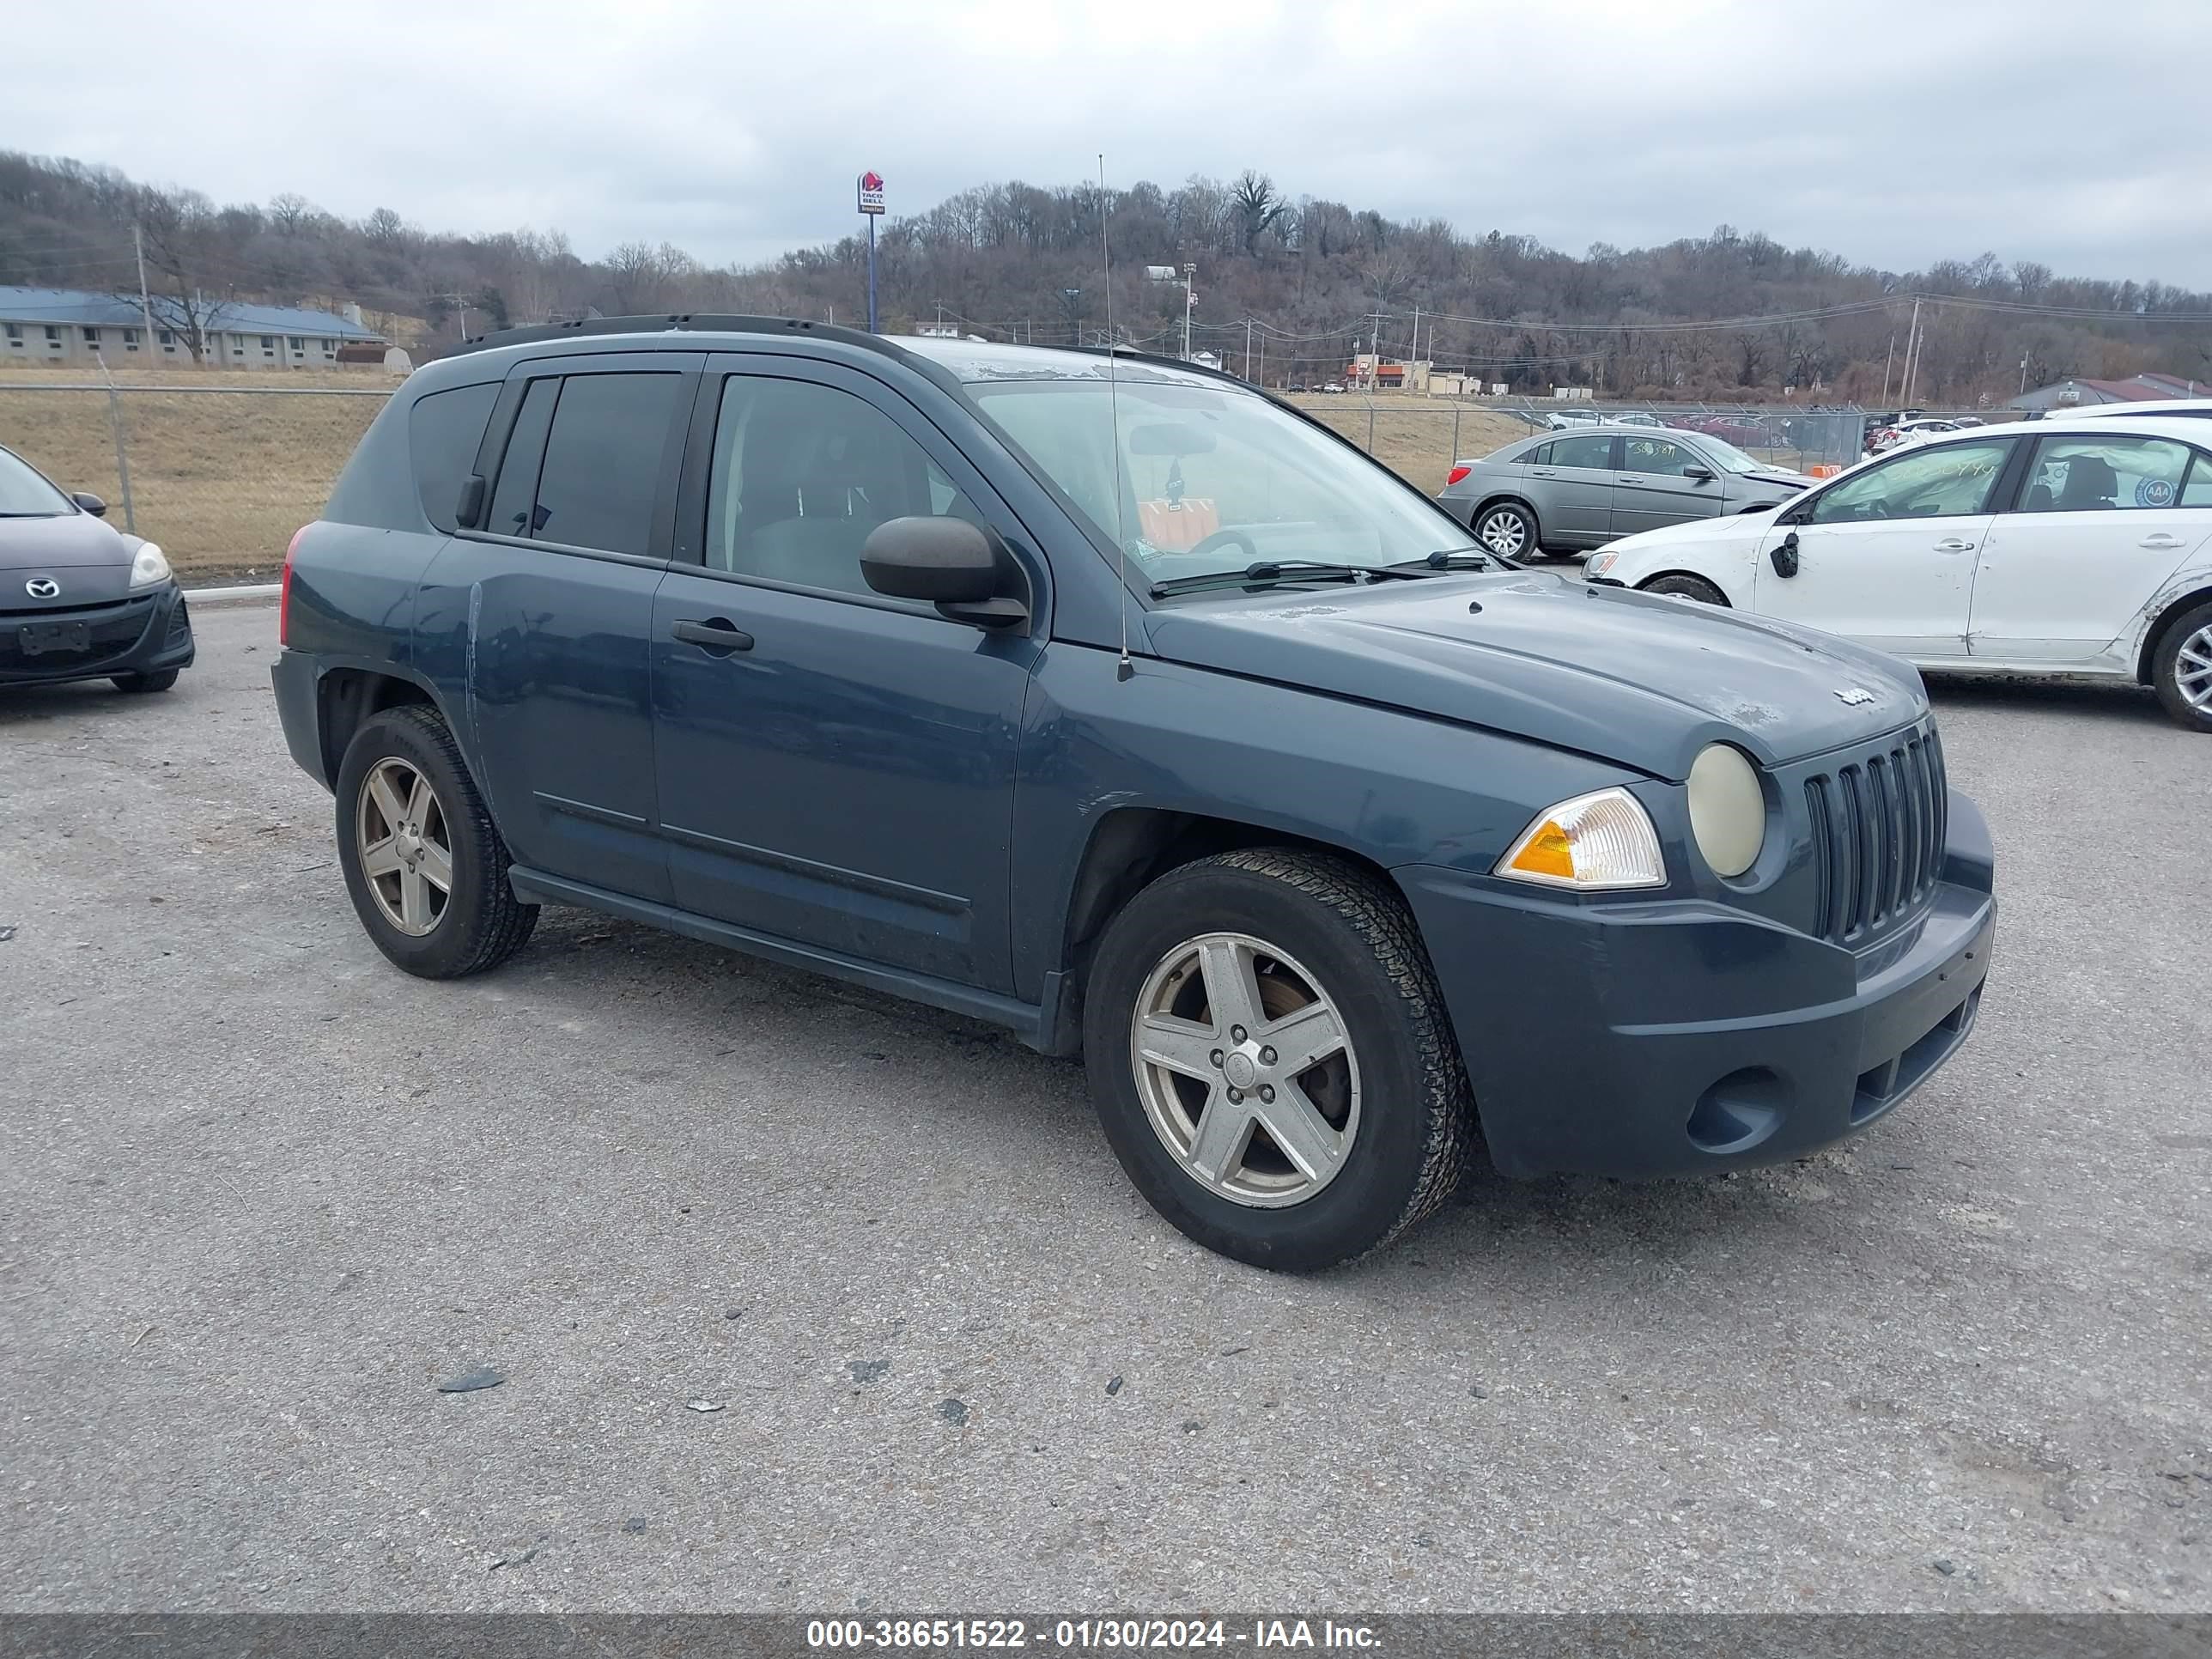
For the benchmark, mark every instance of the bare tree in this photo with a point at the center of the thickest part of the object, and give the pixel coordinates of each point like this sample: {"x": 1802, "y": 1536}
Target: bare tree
{"x": 1258, "y": 207}
{"x": 290, "y": 214}
{"x": 186, "y": 289}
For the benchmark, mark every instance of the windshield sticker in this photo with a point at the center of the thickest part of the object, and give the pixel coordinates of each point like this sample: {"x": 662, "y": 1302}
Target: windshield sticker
{"x": 2154, "y": 492}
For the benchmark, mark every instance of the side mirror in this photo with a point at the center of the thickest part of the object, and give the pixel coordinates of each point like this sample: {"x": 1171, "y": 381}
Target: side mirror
{"x": 91, "y": 504}
{"x": 1784, "y": 556}
{"x": 962, "y": 568}
{"x": 1703, "y": 475}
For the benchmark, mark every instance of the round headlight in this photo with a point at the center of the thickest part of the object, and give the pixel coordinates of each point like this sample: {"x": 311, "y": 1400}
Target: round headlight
{"x": 1727, "y": 809}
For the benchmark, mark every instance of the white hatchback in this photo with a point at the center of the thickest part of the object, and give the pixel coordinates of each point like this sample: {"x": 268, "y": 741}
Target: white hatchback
{"x": 2077, "y": 549}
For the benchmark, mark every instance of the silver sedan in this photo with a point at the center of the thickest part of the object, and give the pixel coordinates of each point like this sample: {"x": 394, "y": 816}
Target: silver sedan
{"x": 1564, "y": 492}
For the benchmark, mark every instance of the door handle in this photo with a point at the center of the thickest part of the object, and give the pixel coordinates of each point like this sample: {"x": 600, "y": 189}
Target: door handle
{"x": 2160, "y": 540}
{"x": 1626, "y": 477}
{"x": 1539, "y": 471}
{"x": 1953, "y": 544}
{"x": 714, "y": 635}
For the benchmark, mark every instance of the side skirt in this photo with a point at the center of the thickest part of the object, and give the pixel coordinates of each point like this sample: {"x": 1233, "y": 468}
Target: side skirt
{"x": 1048, "y": 1028}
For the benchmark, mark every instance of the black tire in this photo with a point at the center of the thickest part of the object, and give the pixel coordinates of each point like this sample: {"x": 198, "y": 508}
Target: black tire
{"x": 482, "y": 923}
{"x": 1353, "y": 933}
{"x": 1499, "y": 515}
{"x": 2166, "y": 667}
{"x": 1690, "y": 588}
{"x": 156, "y": 682}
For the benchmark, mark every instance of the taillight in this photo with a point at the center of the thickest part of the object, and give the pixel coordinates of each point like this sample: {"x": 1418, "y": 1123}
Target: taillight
{"x": 284, "y": 590}
{"x": 1457, "y": 474}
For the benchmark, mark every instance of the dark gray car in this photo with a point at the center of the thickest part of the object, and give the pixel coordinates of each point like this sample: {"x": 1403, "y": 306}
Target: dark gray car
{"x": 1559, "y": 492}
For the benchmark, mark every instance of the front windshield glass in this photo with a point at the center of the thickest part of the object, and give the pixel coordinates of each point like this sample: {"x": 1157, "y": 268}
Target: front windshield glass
{"x": 25, "y": 494}
{"x": 1730, "y": 458}
{"x": 1212, "y": 479}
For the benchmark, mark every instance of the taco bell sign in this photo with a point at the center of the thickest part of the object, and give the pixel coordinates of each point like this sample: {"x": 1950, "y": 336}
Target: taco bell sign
{"x": 872, "y": 191}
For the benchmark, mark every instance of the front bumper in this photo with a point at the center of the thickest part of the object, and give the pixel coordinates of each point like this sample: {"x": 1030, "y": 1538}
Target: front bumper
{"x": 148, "y": 633}
{"x": 1680, "y": 1036}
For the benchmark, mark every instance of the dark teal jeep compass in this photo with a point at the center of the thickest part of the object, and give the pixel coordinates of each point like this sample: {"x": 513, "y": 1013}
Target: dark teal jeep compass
{"x": 1108, "y": 700}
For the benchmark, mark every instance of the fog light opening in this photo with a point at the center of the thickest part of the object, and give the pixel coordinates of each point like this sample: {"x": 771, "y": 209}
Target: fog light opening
{"x": 1739, "y": 1111}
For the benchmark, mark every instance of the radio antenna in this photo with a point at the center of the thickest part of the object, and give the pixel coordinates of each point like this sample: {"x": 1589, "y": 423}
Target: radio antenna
{"x": 1123, "y": 669}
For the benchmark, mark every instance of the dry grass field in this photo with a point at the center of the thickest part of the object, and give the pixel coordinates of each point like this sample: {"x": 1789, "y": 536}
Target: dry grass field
{"x": 223, "y": 473}
{"x": 1414, "y": 436}
{"x": 220, "y": 478}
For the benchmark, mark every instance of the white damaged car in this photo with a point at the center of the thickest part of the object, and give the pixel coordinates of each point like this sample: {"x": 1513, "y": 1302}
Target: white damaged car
{"x": 2047, "y": 548}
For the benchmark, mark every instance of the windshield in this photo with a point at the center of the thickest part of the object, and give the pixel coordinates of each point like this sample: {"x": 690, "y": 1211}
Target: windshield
{"x": 1213, "y": 480}
{"x": 25, "y": 494}
{"x": 1730, "y": 458}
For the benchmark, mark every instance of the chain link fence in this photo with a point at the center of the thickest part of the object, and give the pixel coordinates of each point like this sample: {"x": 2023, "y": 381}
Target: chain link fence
{"x": 222, "y": 475}
{"x": 1420, "y": 437}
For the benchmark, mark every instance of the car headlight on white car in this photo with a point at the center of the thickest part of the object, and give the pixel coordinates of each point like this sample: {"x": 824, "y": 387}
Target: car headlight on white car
{"x": 149, "y": 566}
{"x": 1595, "y": 842}
{"x": 1601, "y": 560}
{"x": 1728, "y": 809}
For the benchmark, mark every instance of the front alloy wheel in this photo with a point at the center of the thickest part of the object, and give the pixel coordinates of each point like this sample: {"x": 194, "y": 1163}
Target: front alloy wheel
{"x": 1270, "y": 1057}
{"x": 1245, "y": 1070}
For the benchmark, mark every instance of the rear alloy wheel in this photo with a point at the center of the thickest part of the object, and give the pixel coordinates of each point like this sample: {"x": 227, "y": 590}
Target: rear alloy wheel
{"x": 1688, "y": 587}
{"x": 1509, "y": 529}
{"x": 156, "y": 682}
{"x": 424, "y": 865}
{"x": 2181, "y": 669}
{"x": 1271, "y": 1057}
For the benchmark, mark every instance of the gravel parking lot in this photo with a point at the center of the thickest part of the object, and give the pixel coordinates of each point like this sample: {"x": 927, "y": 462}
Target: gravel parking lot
{"x": 260, "y": 1193}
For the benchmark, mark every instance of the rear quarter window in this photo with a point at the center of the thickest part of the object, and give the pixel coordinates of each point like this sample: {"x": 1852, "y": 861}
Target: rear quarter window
{"x": 444, "y": 430}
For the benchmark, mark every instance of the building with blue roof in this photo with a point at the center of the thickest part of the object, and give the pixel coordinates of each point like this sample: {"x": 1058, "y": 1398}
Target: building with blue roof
{"x": 60, "y": 325}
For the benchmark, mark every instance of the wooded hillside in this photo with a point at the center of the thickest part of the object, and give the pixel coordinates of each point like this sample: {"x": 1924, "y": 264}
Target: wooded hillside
{"x": 1729, "y": 314}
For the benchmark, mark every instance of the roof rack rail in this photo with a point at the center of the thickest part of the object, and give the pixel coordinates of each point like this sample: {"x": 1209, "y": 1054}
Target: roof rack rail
{"x": 1133, "y": 354}
{"x": 675, "y": 322}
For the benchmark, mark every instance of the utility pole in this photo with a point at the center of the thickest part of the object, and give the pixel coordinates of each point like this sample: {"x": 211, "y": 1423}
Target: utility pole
{"x": 145, "y": 305}
{"x": 1885, "y": 362}
{"x": 1911, "y": 355}
{"x": 1415, "y": 357}
{"x": 1374, "y": 350}
{"x": 2023, "y": 374}
{"x": 1189, "y": 302}
{"x": 1247, "y": 351}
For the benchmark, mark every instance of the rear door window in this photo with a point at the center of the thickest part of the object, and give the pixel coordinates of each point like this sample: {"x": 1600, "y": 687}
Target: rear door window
{"x": 603, "y": 461}
{"x": 1595, "y": 452}
{"x": 2089, "y": 474}
{"x": 443, "y": 432}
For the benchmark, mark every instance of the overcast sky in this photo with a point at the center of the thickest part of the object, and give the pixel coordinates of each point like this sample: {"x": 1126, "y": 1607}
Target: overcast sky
{"x": 1894, "y": 134}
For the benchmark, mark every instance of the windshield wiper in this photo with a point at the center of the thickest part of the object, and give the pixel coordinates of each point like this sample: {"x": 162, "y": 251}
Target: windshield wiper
{"x": 1449, "y": 558}
{"x": 1268, "y": 572}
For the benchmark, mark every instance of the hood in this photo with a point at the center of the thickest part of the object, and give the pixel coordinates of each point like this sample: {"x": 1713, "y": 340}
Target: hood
{"x": 1727, "y": 527}
{"x": 68, "y": 542}
{"x": 1780, "y": 475}
{"x": 1640, "y": 680}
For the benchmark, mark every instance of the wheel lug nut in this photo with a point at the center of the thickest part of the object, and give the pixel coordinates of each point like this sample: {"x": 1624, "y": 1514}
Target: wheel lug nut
{"x": 1237, "y": 1034}
{"x": 1235, "y": 1096}
{"x": 1215, "y": 1057}
{"x": 1267, "y": 1092}
{"x": 1266, "y": 1056}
